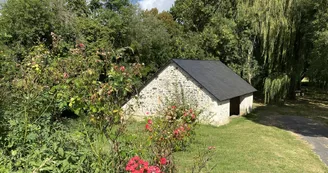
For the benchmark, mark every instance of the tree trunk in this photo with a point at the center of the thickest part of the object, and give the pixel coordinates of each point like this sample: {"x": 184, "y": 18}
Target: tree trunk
{"x": 292, "y": 87}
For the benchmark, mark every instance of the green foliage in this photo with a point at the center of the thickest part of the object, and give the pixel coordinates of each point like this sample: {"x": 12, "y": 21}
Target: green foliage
{"x": 26, "y": 23}
{"x": 86, "y": 58}
{"x": 43, "y": 86}
{"x": 258, "y": 39}
{"x": 317, "y": 69}
{"x": 213, "y": 30}
{"x": 170, "y": 132}
{"x": 275, "y": 88}
{"x": 74, "y": 60}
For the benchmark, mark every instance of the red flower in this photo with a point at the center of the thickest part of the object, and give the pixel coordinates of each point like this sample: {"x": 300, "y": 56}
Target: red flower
{"x": 163, "y": 161}
{"x": 147, "y": 113}
{"x": 174, "y": 107}
{"x": 193, "y": 116}
{"x": 122, "y": 68}
{"x": 149, "y": 121}
{"x": 176, "y": 132}
{"x": 148, "y": 127}
{"x": 81, "y": 45}
{"x": 136, "y": 165}
{"x": 153, "y": 169}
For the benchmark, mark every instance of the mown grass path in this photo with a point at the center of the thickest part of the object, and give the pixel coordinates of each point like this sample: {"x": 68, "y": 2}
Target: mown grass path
{"x": 307, "y": 117}
{"x": 247, "y": 146}
{"x": 311, "y": 131}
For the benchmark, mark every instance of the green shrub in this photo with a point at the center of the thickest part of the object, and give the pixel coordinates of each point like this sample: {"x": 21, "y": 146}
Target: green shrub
{"x": 38, "y": 139}
{"x": 167, "y": 133}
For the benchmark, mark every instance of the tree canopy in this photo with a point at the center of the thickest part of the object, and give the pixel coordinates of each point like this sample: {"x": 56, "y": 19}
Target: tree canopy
{"x": 273, "y": 44}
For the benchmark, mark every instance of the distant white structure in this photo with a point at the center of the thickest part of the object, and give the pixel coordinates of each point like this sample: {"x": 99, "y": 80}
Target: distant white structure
{"x": 216, "y": 89}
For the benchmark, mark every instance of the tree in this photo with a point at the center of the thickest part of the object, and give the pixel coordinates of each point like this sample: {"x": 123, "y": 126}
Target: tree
{"x": 317, "y": 70}
{"x": 27, "y": 23}
{"x": 151, "y": 39}
{"x": 272, "y": 34}
{"x": 223, "y": 31}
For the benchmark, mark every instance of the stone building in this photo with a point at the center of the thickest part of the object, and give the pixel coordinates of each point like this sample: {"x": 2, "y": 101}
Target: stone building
{"x": 211, "y": 85}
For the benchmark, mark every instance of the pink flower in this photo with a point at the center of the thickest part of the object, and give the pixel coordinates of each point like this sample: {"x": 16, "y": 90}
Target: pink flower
{"x": 153, "y": 169}
{"x": 81, "y": 45}
{"x": 66, "y": 75}
{"x": 163, "y": 161}
{"x": 147, "y": 113}
{"x": 148, "y": 127}
{"x": 174, "y": 107}
{"x": 136, "y": 165}
{"x": 122, "y": 68}
{"x": 176, "y": 132}
{"x": 149, "y": 121}
{"x": 193, "y": 116}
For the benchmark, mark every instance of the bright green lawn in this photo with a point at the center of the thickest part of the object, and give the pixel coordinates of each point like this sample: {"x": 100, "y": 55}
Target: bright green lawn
{"x": 245, "y": 146}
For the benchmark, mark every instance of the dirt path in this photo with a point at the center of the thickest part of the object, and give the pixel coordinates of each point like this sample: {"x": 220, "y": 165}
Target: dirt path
{"x": 311, "y": 131}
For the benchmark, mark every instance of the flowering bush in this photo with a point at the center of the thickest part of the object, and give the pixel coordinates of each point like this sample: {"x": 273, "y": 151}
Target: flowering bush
{"x": 137, "y": 165}
{"x": 173, "y": 131}
{"x": 42, "y": 86}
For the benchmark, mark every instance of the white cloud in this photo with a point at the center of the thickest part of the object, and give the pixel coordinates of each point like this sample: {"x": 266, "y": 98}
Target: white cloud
{"x": 161, "y": 5}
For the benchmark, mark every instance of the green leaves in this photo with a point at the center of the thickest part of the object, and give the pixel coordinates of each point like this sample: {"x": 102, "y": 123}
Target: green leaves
{"x": 61, "y": 152}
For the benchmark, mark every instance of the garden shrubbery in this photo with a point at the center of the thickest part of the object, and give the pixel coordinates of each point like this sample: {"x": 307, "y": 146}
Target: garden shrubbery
{"x": 36, "y": 137}
{"x": 63, "y": 57}
{"x": 170, "y": 131}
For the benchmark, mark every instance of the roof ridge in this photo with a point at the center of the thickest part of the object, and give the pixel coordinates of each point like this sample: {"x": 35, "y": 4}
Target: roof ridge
{"x": 217, "y": 78}
{"x": 195, "y": 60}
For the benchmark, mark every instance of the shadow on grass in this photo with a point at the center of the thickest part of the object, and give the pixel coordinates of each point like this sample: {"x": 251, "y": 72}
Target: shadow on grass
{"x": 307, "y": 116}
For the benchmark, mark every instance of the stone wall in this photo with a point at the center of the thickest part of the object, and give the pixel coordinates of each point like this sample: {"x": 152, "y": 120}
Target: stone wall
{"x": 246, "y": 104}
{"x": 173, "y": 84}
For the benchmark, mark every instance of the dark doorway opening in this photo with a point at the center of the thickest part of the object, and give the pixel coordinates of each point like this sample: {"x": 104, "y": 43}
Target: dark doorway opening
{"x": 235, "y": 106}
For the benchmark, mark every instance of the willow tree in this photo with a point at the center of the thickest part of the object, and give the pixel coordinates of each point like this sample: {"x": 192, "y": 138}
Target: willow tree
{"x": 269, "y": 42}
{"x": 282, "y": 43}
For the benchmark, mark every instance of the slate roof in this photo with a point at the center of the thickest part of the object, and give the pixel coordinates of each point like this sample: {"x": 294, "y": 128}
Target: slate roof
{"x": 216, "y": 78}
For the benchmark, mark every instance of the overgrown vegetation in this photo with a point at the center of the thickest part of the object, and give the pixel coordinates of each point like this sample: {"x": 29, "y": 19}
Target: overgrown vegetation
{"x": 67, "y": 66}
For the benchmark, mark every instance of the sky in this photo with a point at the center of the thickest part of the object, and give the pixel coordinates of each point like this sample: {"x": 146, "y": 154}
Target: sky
{"x": 161, "y": 5}
{"x": 2, "y": 1}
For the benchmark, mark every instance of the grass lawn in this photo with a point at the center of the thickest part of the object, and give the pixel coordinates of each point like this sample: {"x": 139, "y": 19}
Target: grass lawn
{"x": 245, "y": 146}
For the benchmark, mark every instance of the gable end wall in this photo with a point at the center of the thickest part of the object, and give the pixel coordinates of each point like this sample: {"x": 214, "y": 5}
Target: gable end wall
{"x": 173, "y": 81}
